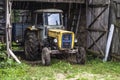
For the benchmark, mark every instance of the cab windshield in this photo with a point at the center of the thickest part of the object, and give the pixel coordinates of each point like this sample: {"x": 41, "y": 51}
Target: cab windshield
{"x": 53, "y": 19}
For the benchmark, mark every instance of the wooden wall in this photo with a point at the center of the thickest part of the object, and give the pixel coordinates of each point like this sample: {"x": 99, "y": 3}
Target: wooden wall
{"x": 81, "y": 34}
{"x": 100, "y": 25}
{"x": 98, "y": 1}
{"x": 63, "y": 1}
{"x": 115, "y": 19}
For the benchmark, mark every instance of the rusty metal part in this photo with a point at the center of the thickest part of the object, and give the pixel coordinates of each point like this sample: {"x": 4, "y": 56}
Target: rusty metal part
{"x": 70, "y": 51}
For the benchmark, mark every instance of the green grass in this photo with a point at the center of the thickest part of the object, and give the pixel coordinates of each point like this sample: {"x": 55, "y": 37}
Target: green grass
{"x": 94, "y": 69}
{"x": 62, "y": 70}
{"x": 17, "y": 47}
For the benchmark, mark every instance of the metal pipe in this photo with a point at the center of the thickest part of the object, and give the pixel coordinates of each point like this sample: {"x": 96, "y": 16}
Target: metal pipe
{"x": 109, "y": 41}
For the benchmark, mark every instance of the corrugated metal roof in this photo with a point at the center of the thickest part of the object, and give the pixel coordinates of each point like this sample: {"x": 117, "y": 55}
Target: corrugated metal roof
{"x": 61, "y": 1}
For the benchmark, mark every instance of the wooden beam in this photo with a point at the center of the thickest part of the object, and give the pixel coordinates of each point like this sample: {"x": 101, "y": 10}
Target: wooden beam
{"x": 78, "y": 21}
{"x": 96, "y": 40}
{"x": 58, "y": 1}
{"x": 96, "y": 44}
{"x": 96, "y": 30}
{"x": 97, "y": 17}
{"x": 116, "y": 1}
{"x": 7, "y": 38}
{"x": 94, "y": 52}
{"x": 115, "y": 56}
{"x": 97, "y": 5}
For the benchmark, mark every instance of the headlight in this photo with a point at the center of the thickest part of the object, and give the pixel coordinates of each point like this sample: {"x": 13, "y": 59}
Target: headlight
{"x": 55, "y": 40}
{"x": 17, "y": 41}
{"x": 76, "y": 41}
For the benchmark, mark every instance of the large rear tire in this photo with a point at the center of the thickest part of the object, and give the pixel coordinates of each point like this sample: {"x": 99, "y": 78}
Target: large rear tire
{"x": 32, "y": 47}
{"x": 81, "y": 56}
{"x": 46, "y": 59}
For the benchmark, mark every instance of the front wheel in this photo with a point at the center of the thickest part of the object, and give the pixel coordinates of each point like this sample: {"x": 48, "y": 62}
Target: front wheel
{"x": 81, "y": 56}
{"x": 46, "y": 59}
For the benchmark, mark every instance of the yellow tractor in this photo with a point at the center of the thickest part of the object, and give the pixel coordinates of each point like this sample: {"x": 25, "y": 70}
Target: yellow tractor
{"x": 48, "y": 37}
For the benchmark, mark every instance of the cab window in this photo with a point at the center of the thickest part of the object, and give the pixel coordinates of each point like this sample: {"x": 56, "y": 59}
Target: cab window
{"x": 52, "y": 19}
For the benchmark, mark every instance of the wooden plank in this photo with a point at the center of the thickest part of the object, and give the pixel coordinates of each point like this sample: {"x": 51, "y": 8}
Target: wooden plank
{"x": 118, "y": 1}
{"x": 61, "y": 1}
{"x": 117, "y": 57}
{"x": 96, "y": 40}
{"x": 97, "y": 5}
{"x": 96, "y": 53}
{"x": 97, "y": 17}
{"x": 102, "y": 53}
{"x": 115, "y": 48}
{"x": 99, "y": 1}
{"x": 96, "y": 30}
{"x": 118, "y": 11}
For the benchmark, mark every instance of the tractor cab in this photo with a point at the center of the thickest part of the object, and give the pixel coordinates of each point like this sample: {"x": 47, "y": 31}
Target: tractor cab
{"x": 48, "y": 19}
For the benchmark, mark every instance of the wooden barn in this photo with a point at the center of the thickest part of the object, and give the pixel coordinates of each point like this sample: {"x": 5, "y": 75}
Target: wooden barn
{"x": 89, "y": 19}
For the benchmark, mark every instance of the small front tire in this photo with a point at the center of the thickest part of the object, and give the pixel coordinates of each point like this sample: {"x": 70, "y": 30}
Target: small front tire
{"x": 81, "y": 56}
{"x": 46, "y": 59}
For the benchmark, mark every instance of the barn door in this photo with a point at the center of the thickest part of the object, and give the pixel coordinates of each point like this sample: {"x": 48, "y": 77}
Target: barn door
{"x": 97, "y": 24}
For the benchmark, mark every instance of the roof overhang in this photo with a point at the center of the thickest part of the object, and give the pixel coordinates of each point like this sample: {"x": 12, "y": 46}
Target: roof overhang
{"x": 57, "y": 1}
{"x": 49, "y": 10}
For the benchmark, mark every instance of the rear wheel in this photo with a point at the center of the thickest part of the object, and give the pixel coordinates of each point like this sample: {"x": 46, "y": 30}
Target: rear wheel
{"x": 46, "y": 59}
{"x": 81, "y": 56}
{"x": 32, "y": 47}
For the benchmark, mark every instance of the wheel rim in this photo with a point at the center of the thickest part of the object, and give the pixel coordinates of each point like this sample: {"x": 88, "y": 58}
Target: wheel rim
{"x": 81, "y": 56}
{"x": 45, "y": 56}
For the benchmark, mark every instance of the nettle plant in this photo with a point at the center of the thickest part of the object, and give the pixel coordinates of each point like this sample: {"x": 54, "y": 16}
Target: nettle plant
{"x": 2, "y": 51}
{"x": 4, "y": 60}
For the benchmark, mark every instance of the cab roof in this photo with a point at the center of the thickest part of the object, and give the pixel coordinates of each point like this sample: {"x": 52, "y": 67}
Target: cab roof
{"x": 48, "y": 10}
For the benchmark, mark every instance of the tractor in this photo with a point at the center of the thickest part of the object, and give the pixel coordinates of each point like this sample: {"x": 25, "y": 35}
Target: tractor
{"x": 48, "y": 37}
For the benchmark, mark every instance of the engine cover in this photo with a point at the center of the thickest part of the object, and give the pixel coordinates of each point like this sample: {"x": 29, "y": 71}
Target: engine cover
{"x": 65, "y": 39}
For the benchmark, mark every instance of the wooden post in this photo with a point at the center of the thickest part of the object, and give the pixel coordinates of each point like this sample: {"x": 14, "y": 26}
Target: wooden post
{"x": 7, "y": 41}
{"x": 8, "y": 31}
{"x": 78, "y": 21}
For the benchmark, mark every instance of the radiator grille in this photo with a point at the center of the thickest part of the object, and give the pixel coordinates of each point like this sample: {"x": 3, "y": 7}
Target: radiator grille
{"x": 66, "y": 40}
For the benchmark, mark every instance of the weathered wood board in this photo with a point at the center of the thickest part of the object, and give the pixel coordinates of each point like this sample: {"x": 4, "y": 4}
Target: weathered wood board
{"x": 115, "y": 19}
{"x": 98, "y": 1}
{"x": 63, "y": 1}
{"x": 101, "y": 24}
{"x": 117, "y": 1}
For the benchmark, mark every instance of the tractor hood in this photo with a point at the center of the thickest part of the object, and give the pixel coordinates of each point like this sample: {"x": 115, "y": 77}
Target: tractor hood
{"x": 60, "y": 31}
{"x": 63, "y": 37}
{"x": 55, "y": 32}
